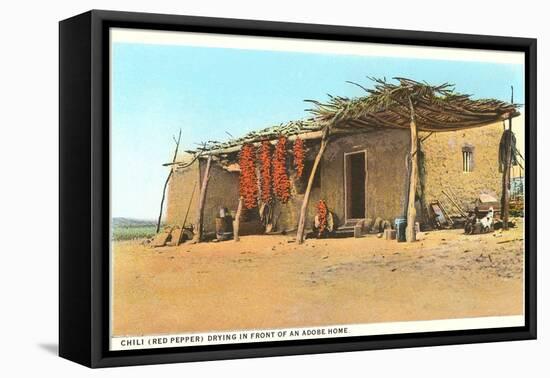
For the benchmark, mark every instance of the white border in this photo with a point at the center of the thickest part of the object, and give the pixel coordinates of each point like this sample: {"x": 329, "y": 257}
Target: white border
{"x": 286, "y": 334}
{"x": 156, "y": 37}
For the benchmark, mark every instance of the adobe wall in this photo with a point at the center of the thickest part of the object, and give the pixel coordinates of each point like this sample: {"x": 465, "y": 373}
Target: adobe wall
{"x": 222, "y": 191}
{"x": 386, "y": 172}
{"x": 386, "y": 153}
{"x": 444, "y": 169}
{"x": 180, "y": 188}
{"x": 287, "y": 215}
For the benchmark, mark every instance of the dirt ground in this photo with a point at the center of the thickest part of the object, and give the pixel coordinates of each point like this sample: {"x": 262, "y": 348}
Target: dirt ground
{"x": 270, "y": 282}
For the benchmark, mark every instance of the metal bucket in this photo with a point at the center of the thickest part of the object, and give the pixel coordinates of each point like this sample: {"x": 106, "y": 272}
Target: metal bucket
{"x": 400, "y": 227}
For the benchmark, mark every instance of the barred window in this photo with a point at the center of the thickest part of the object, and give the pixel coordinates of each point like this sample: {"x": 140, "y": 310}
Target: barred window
{"x": 467, "y": 159}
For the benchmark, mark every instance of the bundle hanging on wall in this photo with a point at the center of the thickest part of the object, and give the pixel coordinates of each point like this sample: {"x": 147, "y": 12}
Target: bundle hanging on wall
{"x": 299, "y": 157}
{"x": 281, "y": 183}
{"x": 248, "y": 183}
{"x": 265, "y": 159}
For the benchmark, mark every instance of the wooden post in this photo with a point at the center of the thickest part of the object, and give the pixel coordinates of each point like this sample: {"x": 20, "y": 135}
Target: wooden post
{"x": 413, "y": 177}
{"x": 189, "y": 205}
{"x": 305, "y": 202}
{"x": 167, "y": 180}
{"x": 202, "y": 199}
{"x": 237, "y": 220}
{"x": 505, "y": 196}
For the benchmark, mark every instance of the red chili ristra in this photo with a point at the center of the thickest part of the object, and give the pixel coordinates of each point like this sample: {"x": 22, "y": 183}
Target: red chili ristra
{"x": 248, "y": 187}
{"x": 299, "y": 157}
{"x": 322, "y": 212}
{"x": 281, "y": 183}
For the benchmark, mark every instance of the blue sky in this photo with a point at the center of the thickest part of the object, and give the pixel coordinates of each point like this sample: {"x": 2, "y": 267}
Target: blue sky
{"x": 158, "y": 89}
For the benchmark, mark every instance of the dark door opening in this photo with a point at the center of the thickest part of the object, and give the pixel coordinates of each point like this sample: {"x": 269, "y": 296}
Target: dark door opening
{"x": 355, "y": 185}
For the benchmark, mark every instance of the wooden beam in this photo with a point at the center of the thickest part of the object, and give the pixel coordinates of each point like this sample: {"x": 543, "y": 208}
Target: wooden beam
{"x": 258, "y": 141}
{"x": 305, "y": 202}
{"x": 413, "y": 177}
{"x": 237, "y": 221}
{"x": 189, "y": 205}
{"x": 168, "y": 180}
{"x": 197, "y": 237}
{"x": 426, "y": 137}
{"x": 182, "y": 165}
{"x": 505, "y": 196}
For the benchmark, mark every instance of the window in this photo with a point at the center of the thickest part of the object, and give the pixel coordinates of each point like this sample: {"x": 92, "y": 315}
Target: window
{"x": 467, "y": 159}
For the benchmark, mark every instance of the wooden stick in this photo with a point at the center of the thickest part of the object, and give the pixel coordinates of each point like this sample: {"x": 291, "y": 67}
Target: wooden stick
{"x": 426, "y": 137}
{"x": 197, "y": 238}
{"x": 445, "y": 213}
{"x": 189, "y": 205}
{"x": 460, "y": 211}
{"x": 183, "y": 165}
{"x": 237, "y": 221}
{"x": 305, "y": 202}
{"x": 167, "y": 180}
{"x": 187, "y": 212}
{"x": 505, "y": 196}
{"x": 411, "y": 210}
{"x": 455, "y": 196}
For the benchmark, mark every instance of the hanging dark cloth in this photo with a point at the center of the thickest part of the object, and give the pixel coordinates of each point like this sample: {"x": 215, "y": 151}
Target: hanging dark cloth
{"x": 504, "y": 146}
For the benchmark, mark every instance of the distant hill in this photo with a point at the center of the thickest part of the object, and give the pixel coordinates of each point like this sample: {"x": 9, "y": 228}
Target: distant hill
{"x": 132, "y": 222}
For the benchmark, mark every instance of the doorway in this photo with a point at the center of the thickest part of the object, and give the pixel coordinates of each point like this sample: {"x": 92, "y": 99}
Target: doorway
{"x": 355, "y": 185}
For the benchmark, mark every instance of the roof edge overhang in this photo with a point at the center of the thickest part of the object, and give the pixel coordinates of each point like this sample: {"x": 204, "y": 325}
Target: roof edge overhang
{"x": 340, "y": 130}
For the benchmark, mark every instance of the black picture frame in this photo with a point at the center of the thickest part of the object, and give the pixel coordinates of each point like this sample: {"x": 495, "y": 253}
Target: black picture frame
{"x": 84, "y": 187}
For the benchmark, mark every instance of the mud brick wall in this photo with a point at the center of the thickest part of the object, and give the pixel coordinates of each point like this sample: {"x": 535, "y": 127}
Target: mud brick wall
{"x": 444, "y": 168}
{"x": 386, "y": 172}
{"x": 287, "y": 215}
{"x": 180, "y": 188}
{"x": 386, "y": 176}
{"x": 222, "y": 191}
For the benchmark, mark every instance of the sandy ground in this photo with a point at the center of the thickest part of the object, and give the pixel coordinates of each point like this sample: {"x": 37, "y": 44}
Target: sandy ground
{"x": 269, "y": 282}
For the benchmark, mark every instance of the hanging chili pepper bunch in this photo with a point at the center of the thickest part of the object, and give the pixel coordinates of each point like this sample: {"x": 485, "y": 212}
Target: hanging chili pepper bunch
{"x": 281, "y": 183}
{"x": 265, "y": 160}
{"x": 322, "y": 213}
{"x": 299, "y": 157}
{"x": 248, "y": 188}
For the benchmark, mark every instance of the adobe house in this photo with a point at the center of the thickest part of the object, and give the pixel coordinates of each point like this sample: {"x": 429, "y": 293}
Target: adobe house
{"x": 384, "y": 155}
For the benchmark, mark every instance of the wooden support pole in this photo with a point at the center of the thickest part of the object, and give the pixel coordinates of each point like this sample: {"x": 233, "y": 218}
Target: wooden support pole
{"x": 413, "y": 177}
{"x": 237, "y": 221}
{"x": 505, "y": 196}
{"x": 197, "y": 237}
{"x": 168, "y": 180}
{"x": 305, "y": 202}
{"x": 189, "y": 205}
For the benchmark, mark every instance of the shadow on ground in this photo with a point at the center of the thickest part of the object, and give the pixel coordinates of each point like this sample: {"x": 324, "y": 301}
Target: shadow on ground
{"x": 51, "y": 348}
